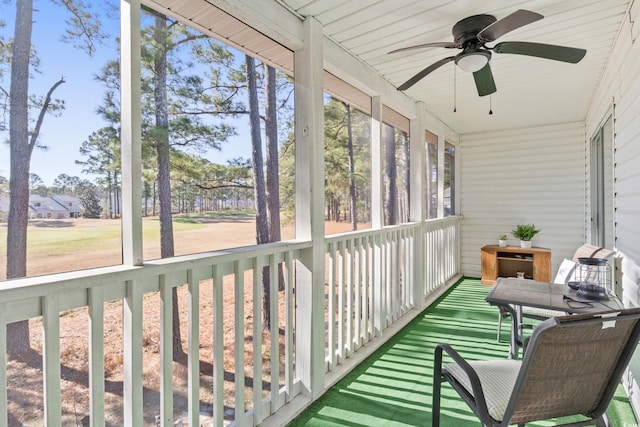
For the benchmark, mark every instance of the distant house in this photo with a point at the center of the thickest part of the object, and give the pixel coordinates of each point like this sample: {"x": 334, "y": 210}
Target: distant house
{"x": 46, "y": 208}
{"x": 71, "y": 203}
{"x": 54, "y": 207}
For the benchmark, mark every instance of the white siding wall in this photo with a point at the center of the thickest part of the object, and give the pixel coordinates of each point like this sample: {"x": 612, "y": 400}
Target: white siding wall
{"x": 533, "y": 175}
{"x": 620, "y": 85}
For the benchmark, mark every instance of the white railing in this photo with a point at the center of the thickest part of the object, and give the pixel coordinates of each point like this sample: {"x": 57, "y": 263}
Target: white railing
{"x": 371, "y": 279}
{"x": 246, "y": 395}
{"x": 371, "y": 282}
{"x": 441, "y": 240}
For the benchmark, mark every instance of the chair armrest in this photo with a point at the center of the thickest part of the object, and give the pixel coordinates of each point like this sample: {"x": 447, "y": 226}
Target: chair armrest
{"x": 476, "y": 386}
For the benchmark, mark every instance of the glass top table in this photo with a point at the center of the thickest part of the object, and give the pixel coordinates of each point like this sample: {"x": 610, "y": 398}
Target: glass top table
{"x": 512, "y": 294}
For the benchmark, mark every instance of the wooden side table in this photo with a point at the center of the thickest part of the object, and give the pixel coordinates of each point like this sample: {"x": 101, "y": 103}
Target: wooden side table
{"x": 534, "y": 262}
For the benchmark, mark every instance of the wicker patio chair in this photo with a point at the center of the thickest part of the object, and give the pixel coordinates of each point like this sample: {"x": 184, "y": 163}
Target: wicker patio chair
{"x": 571, "y": 366}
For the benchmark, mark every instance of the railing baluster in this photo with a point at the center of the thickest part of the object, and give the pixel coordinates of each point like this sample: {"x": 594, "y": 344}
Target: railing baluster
{"x": 193, "y": 358}
{"x": 357, "y": 287}
{"x": 366, "y": 292}
{"x": 218, "y": 347}
{"x": 349, "y": 286}
{"x": 341, "y": 259}
{"x": 274, "y": 332}
{"x": 132, "y": 354}
{"x": 258, "y": 273}
{"x": 331, "y": 307}
{"x": 96, "y": 355}
{"x": 166, "y": 351}
{"x": 238, "y": 287}
{"x": 377, "y": 291}
{"x": 289, "y": 308}
{"x": 51, "y": 362}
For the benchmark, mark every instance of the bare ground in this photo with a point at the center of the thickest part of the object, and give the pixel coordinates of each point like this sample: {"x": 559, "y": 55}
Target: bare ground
{"x": 25, "y": 386}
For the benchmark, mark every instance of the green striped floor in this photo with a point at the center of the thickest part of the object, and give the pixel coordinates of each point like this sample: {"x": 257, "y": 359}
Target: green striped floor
{"x": 393, "y": 387}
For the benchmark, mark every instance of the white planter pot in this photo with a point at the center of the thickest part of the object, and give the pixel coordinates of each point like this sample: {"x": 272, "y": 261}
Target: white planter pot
{"x": 525, "y": 243}
{"x": 502, "y": 243}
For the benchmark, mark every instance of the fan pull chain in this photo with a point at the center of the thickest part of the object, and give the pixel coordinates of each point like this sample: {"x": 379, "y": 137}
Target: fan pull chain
{"x": 454, "y": 89}
{"x": 490, "y": 104}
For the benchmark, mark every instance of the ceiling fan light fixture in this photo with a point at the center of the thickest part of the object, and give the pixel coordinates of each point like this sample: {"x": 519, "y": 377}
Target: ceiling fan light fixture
{"x": 473, "y": 61}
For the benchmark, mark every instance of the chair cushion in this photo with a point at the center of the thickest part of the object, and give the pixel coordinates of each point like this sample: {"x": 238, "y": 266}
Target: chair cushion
{"x": 497, "y": 377}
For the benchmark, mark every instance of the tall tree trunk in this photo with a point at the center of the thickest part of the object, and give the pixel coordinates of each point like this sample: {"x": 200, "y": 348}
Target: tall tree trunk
{"x": 155, "y": 197}
{"x": 21, "y": 143}
{"x": 273, "y": 181}
{"x": 271, "y": 132}
{"x": 18, "y": 333}
{"x": 163, "y": 152}
{"x": 146, "y": 198}
{"x": 259, "y": 190}
{"x": 118, "y": 195}
{"x": 352, "y": 172}
{"x": 110, "y": 194}
{"x": 390, "y": 176}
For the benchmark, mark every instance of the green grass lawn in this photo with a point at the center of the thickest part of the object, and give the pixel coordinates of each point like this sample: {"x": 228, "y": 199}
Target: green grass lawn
{"x": 86, "y": 235}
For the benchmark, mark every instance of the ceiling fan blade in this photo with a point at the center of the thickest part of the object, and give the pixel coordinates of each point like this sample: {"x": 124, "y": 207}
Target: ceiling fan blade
{"x": 549, "y": 51}
{"x": 484, "y": 81}
{"x": 448, "y": 45}
{"x": 517, "y": 19}
{"x": 413, "y": 80}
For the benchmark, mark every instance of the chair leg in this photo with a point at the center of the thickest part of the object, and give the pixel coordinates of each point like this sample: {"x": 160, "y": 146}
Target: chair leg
{"x": 499, "y": 326}
{"x": 603, "y": 421}
{"x": 437, "y": 385}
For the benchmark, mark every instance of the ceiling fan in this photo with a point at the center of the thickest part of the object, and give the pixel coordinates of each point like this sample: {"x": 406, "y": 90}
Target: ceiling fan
{"x": 471, "y": 35}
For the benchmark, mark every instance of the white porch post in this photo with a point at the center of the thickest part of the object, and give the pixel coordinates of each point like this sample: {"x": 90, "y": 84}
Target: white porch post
{"x": 130, "y": 134}
{"x": 309, "y": 137}
{"x": 130, "y": 118}
{"x": 377, "y": 215}
{"x": 417, "y": 197}
{"x": 441, "y": 144}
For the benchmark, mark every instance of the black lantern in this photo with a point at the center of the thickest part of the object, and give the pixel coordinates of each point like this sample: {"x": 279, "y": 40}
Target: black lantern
{"x": 594, "y": 278}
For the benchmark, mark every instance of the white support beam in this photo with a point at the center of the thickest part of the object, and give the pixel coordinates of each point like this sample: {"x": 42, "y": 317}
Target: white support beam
{"x": 441, "y": 144}
{"x": 309, "y": 137}
{"x": 377, "y": 217}
{"x": 417, "y": 197}
{"x": 345, "y": 66}
{"x": 377, "y": 214}
{"x": 268, "y": 17}
{"x": 130, "y": 134}
{"x": 417, "y": 165}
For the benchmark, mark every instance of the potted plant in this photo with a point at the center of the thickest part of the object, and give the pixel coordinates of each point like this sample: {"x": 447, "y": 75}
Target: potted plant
{"x": 525, "y": 233}
{"x": 502, "y": 240}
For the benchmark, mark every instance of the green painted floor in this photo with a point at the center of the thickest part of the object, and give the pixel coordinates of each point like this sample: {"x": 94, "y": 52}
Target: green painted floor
{"x": 393, "y": 386}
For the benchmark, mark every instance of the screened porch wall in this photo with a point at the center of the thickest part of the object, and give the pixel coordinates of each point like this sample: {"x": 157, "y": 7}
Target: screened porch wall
{"x": 533, "y": 175}
{"x": 619, "y": 94}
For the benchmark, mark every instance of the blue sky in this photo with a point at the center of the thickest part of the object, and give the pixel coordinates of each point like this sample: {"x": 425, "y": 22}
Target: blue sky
{"x": 81, "y": 92}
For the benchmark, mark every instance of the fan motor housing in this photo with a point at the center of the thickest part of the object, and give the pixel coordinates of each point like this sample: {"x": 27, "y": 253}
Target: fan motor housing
{"x": 468, "y": 28}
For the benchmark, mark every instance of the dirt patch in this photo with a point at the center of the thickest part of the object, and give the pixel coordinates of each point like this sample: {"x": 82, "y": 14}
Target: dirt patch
{"x": 25, "y": 389}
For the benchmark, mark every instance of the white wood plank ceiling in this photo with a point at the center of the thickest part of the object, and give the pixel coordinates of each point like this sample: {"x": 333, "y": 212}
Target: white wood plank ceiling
{"x": 530, "y": 91}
